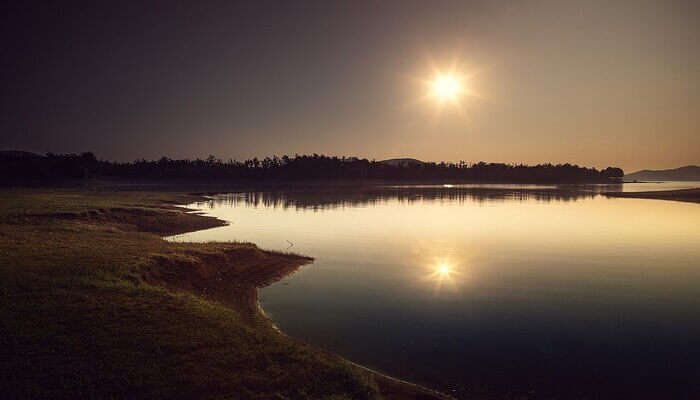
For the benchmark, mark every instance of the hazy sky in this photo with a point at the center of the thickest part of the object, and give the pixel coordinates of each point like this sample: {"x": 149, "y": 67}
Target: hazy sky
{"x": 596, "y": 83}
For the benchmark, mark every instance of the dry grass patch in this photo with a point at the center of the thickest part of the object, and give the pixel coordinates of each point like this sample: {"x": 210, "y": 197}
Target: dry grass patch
{"x": 94, "y": 303}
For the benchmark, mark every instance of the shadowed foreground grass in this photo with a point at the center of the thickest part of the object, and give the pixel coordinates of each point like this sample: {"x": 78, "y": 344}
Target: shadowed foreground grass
{"x": 94, "y": 303}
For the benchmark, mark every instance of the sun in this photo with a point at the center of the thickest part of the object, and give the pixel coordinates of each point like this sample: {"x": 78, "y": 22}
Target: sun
{"x": 443, "y": 269}
{"x": 446, "y": 87}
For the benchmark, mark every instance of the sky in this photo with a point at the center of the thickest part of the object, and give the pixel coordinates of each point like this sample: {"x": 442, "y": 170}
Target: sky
{"x": 595, "y": 83}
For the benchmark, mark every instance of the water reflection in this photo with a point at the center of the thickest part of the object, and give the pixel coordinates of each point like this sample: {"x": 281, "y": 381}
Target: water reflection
{"x": 444, "y": 277}
{"x": 488, "y": 292}
{"x": 325, "y": 198}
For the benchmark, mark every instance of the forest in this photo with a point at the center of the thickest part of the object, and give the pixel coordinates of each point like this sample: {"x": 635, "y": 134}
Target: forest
{"x": 24, "y": 167}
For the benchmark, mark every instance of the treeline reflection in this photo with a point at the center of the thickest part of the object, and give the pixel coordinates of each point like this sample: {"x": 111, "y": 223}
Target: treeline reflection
{"x": 340, "y": 198}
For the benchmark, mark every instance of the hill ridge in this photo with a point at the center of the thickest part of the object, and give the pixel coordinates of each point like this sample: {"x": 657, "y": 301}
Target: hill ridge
{"x": 685, "y": 173}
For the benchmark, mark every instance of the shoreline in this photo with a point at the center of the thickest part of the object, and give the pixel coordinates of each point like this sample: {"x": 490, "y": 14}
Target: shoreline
{"x": 170, "y": 319}
{"x": 390, "y": 387}
{"x": 684, "y": 195}
{"x": 397, "y": 388}
{"x": 90, "y": 290}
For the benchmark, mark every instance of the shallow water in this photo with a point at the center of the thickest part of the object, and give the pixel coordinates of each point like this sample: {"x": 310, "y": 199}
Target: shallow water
{"x": 492, "y": 292}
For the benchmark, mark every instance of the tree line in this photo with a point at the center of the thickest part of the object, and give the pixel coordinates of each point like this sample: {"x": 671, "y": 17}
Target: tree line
{"x": 28, "y": 167}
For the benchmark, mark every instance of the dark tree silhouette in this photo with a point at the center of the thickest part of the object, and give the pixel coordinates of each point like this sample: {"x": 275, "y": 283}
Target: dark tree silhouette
{"x": 55, "y": 167}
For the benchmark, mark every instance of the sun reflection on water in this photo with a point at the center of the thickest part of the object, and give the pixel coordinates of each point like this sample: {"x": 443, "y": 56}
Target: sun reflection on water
{"x": 444, "y": 276}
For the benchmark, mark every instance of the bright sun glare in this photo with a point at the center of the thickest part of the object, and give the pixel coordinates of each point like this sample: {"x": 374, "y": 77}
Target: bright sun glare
{"x": 446, "y": 87}
{"x": 443, "y": 269}
{"x": 444, "y": 275}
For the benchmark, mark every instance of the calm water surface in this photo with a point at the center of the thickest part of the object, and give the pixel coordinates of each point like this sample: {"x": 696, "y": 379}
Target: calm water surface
{"x": 488, "y": 292}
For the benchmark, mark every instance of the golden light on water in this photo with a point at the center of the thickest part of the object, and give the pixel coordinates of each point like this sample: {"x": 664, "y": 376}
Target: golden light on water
{"x": 444, "y": 276}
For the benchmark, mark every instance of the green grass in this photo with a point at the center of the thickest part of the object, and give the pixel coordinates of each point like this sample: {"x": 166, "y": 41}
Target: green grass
{"x": 84, "y": 309}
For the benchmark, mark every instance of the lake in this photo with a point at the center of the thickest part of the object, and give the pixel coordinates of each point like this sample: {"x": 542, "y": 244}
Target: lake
{"x": 487, "y": 291}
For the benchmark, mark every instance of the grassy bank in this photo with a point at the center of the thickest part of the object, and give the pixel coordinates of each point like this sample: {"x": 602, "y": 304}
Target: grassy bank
{"x": 686, "y": 195}
{"x": 94, "y": 303}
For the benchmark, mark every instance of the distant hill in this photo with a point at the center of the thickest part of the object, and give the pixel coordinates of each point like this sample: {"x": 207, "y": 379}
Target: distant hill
{"x": 18, "y": 154}
{"x": 689, "y": 173}
{"x": 402, "y": 162}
